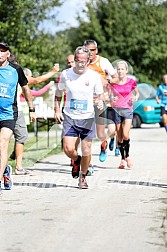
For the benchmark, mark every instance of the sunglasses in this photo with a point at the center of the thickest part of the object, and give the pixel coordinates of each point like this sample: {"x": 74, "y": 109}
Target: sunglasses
{"x": 92, "y": 49}
{"x": 70, "y": 62}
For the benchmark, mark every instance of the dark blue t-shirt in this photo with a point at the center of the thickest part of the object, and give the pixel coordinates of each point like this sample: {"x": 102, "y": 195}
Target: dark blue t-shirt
{"x": 10, "y": 76}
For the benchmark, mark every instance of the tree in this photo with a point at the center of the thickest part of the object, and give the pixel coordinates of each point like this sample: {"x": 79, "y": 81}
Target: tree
{"x": 134, "y": 30}
{"x": 19, "y": 27}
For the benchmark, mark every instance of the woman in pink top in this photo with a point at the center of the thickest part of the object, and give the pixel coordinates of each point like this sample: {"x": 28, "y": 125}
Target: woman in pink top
{"x": 122, "y": 100}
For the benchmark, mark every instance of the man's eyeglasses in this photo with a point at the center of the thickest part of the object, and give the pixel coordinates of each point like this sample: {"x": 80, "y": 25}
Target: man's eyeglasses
{"x": 81, "y": 62}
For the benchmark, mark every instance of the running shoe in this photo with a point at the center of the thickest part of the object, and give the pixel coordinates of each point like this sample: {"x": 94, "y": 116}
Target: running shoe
{"x": 76, "y": 168}
{"x": 129, "y": 162}
{"x": 21, "y": 172}
{"x": 122, "y": 164}
{"x": 82, "y": 181}
{"x": 90, "y": 170}
{"x": 117, "y": 152}
{"x": 111, "y": 144}
{"x": 103, "y": 153}
{"x": 7, "y": 178}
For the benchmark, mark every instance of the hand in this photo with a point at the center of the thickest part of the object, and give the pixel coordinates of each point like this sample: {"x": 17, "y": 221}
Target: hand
{"x": 33, "y": 116}
{"x": 133, "y": 98}
{"x": 100, "y": 105}
{"x": 59, "y": 117}
{"x": 56, "y": 67}
{"x": 114, "y": 98}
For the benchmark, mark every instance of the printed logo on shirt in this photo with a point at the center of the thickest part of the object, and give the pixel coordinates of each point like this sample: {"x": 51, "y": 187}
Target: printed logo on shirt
{"x": 4, "y": 90}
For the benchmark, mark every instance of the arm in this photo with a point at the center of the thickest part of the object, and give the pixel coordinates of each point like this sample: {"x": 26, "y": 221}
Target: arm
{"x": 136, "y": 96}
{"x": 109, "y": 69}
{"x": 100, "y": 104}
{"x": 42, "y": 78}
{"x": 157, "y": 99}
{"x": 114, "y": 79}
{"x": 42, "y": 90}
{"x": 28, "y": 98}
{"x": 157, "y": 96}
{"x": 57, "y": 103}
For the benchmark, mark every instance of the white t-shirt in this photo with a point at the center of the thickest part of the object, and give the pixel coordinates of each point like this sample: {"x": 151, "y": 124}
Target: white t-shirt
{"x": 79, "y": 92}
{"x": 105, "y": 65}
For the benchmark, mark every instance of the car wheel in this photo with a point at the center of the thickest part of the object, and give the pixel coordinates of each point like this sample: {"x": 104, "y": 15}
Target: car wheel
{"x": 136, "y": 122}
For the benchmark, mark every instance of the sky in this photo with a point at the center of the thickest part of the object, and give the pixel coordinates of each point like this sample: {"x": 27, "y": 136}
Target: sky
{"x": 66, "y": 13}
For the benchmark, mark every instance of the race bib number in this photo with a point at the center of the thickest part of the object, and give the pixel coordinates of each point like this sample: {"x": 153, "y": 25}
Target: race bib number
{"x": 78, "y": 104}
{"x": 4, "y": 90}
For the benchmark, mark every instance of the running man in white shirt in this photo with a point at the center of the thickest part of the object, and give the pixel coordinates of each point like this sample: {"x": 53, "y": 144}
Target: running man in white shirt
{"x": 80, "y": 84}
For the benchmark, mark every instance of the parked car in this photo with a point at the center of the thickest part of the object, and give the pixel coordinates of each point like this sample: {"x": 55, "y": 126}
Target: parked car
{"x": 146, "y": 109}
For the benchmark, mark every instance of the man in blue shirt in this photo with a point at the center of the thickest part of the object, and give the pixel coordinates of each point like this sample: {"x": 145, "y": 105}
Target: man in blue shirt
{"x": 162, "y": 94}
{"x": 10, "y": 75}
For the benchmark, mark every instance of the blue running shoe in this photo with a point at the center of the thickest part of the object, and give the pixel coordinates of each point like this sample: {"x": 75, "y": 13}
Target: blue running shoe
{"x": 117, "y": 152}
{"x": 111, "y": 144}
{"x": 7, "y": 178}
{"x": 90, "y": 170}
{"x": 103, "y": 153}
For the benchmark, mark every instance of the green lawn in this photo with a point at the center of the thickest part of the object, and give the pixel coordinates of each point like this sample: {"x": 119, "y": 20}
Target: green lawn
{"x": 34, "y": 152}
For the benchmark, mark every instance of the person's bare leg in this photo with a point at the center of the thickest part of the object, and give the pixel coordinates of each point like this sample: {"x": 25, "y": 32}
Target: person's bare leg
{"x": 101, "y": 134}
{"x": 5, "y": 136}
{"x": 19, "y": 150}
{"x": 69, "y": 145}
{"x": 86, "y": 146}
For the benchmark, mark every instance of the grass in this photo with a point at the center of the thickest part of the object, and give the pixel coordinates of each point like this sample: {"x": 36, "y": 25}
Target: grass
{"x": 36, "y": 151}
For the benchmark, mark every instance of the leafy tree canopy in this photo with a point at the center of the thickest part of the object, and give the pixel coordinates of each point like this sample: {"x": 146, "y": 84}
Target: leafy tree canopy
{"x": 133, "y": 30}
{"x": 19, "y": 27}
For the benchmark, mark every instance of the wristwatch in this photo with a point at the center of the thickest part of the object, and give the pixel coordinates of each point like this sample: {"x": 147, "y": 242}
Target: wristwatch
{"x": 31, "y": 109}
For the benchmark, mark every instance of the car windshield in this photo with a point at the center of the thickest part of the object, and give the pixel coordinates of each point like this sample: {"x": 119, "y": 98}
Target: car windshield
{"x": 146, "y": 92}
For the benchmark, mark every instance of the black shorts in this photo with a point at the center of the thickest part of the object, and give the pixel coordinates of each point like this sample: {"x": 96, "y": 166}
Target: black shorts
{"x": 163, "y": 111}
{"x": 10, "y": 124}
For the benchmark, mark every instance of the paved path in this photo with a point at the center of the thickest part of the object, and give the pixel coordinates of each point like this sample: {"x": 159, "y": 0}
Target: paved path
{"x": 123, "y": 210}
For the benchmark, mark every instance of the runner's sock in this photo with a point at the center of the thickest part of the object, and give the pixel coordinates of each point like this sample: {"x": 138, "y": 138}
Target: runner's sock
{"x": 78, "y": 160}
{"x": 122, "y": 149}
{"x": 126, "y": 146}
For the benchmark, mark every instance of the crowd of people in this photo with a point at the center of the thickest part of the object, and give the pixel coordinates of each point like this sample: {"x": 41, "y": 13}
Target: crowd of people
{"x": 95, "y": 94}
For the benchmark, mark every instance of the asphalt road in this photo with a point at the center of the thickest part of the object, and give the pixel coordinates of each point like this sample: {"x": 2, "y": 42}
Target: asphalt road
{"x": 122, "y": 211}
